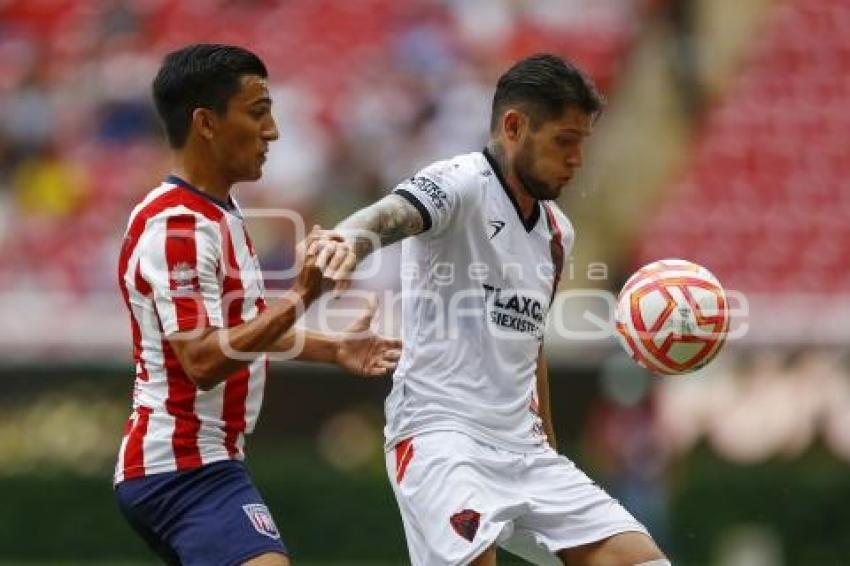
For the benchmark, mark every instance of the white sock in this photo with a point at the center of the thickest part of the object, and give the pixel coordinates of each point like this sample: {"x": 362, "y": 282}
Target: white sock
{"x": 659, "y": 562}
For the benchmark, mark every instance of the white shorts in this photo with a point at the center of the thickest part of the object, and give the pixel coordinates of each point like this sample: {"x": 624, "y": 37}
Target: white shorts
{"x": 458, "y": 497}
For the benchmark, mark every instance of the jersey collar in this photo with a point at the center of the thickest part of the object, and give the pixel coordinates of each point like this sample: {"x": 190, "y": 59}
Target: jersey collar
{"x": 535, "y": 212}
{"x": 229, "y": 206}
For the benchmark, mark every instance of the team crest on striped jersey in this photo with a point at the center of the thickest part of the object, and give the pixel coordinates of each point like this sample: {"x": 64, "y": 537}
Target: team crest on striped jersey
{"x": 261, "y": 519}
{"x": 184, "y": 276}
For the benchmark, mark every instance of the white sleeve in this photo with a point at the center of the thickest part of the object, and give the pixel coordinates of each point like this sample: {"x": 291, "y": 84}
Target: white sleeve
{"x": 180, "y": 259}
{"x": 439, "y": 192}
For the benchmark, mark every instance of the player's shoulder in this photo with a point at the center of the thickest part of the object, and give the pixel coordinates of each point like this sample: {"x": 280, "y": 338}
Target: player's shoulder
{"x": 167, "y": 210}
{"x": 460, "y": 171}
{"x": 169, "y": 200}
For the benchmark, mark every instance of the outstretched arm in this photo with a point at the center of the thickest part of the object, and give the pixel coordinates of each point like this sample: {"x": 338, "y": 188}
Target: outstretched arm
{"x": 356, "y": 348}
{"x": 207, "y": 355}
{"x": 390, "y": 220}
{"x": 385, "y": 222}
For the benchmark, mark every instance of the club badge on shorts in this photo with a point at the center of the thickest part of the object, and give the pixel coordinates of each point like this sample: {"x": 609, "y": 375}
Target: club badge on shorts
{"x": 262, "y": 520}
{"x": 465, "y": 523}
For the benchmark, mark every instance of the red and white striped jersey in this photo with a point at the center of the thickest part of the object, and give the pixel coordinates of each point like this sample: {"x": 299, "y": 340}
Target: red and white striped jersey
{"x": 186, "y": 263}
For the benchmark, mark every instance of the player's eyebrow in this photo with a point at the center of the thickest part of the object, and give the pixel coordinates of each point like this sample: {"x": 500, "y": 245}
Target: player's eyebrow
{"x": 576, "y": 131}
{"x": 261, "y": 100}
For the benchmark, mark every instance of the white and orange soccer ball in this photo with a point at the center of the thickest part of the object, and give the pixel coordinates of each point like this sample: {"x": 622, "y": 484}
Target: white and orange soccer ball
{"x": 672, "y": 316}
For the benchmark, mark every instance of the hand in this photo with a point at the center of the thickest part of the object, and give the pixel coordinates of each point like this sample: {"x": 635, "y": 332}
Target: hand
{"x": 308, "y": 282}
{"x": 365, "y": 353}
{"x": 337, "y": 259}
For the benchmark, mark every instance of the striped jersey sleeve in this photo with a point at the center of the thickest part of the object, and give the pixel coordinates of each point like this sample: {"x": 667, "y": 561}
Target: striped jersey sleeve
{"x": 179, "y": 258}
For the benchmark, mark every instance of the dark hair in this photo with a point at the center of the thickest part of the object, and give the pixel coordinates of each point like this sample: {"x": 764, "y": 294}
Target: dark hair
{"x": 199, "y": 76}
{"x": 544, "y": 85}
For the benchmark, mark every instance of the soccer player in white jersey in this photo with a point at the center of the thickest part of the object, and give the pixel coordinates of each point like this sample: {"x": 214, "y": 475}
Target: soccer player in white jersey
{"x": 201, "y": 325}
{"x": 470, "y": 445}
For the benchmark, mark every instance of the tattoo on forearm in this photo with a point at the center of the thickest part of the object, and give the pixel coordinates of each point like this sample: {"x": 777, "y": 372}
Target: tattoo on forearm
{"x": 391, "y": 219}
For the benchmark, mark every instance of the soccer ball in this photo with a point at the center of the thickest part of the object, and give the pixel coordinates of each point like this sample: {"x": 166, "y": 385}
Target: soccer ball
{"x": 672, "y": 316}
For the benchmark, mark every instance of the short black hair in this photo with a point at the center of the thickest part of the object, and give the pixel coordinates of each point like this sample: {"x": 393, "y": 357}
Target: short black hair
{"x": 202, "y": 75}
{"x": 544, "y": 85}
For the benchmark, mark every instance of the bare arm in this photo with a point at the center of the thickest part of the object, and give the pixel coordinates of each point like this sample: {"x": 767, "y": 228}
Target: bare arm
{"x": 356, "y": 348}
{"x": 391, "y": 219}
{"x": 544, "y": 406}
{"x": 207, "y": 358}
{"x": 314, "y": 346}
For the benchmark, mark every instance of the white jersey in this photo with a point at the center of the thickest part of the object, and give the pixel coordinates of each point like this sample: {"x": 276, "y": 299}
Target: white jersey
{"x": 186, "y": 263}
{"x": 476, "y": 289}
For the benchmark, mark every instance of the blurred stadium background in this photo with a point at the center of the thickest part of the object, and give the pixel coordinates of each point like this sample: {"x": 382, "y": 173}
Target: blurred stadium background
{"x": 726, "y": 142}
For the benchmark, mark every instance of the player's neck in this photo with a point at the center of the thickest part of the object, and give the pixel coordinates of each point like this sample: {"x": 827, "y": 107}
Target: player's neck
{"x": 197, "y": 173}
{"x": 524, "y": 200}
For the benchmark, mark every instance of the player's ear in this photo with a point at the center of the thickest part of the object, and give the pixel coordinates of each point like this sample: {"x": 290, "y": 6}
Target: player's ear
{"x": 514, "y": 123}
{"x": 203, "y": 120}
{"x": 511, "y": 124}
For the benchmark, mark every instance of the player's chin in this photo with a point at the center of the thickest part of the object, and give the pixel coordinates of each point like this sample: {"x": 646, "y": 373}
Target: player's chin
{"x": 551, "y": 192}
{"x": 255, "y": 173}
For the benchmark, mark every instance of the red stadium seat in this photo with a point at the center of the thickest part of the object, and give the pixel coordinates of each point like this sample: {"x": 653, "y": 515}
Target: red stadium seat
{"x": 766, "y": 202}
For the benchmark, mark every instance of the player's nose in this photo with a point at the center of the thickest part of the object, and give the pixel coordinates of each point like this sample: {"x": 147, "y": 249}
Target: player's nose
{"x": 270, "y": 131}
{"x": 575, "y": 157}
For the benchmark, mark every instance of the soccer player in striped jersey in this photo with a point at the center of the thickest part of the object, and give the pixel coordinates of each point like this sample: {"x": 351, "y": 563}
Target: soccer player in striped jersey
{"x": 469, "y": 437}
{"x": 201, "y": 325}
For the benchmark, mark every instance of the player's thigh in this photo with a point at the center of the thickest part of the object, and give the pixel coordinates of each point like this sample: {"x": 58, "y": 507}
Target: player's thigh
{"x": 450, "y": 496}
{"x": 569, "y": 510}
{"x": 268, "y": 559}
{"x": 488, "y": 558}
{"x": 211, "y": 515}
{"x": 623, "y": 549}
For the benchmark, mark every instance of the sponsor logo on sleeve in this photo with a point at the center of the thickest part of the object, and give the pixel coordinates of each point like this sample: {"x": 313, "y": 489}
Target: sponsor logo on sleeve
{"x": 438, "y": 196}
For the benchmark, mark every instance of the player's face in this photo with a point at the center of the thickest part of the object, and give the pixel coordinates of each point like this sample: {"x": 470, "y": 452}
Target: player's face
{"x": 245, "y": 131}
{"x": 549, "y": 157}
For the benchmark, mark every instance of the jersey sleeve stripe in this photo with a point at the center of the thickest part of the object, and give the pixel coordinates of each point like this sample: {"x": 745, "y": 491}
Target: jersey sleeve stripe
{"x": 165, "y": 200}
{"x": 134, "y": 231}
{"x": 426, "y": 216}
{"x": 182, "y": 260}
